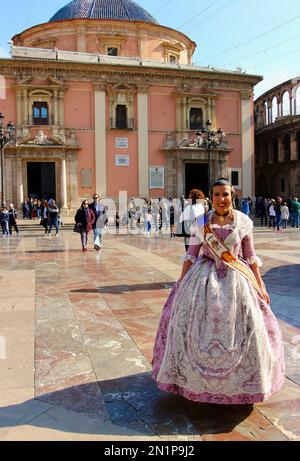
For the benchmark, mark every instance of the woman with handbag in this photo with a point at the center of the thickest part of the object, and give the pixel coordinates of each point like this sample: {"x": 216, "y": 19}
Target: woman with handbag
{"x": 218, "y": 340}
{"x": 84, "y": 220}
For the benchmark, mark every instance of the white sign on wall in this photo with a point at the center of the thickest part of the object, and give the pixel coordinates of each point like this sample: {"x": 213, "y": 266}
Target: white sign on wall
{"x": 157, "y": 177}
{"x": 121, "y": 143}
{"x": 122, "y": 160}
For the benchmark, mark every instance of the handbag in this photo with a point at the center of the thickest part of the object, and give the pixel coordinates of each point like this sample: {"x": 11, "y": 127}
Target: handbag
{"x": 78, "y": 227}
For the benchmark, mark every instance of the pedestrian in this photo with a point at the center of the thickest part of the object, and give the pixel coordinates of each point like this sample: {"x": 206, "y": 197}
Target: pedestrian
{"x": 12, "y": 219}
{"x": 278, "y": 206}
{"x": 190, "y": 214}
{"x": 117, "y": 221}
{"x": 85, "y": 218}
{"x": 45, "y": 216}
{"x": 26, "y": 209}
{"x": 245, "y": 207}
{"x": 285, "y": 214}
{"x": 100, "y": 220}
{"x": 263, "y": 211}
{"x": 4, "y": 220}
{"x": 272, "y": 214}
{"x": 296, "y": 212}
{"x": 171, "y": 206}
{"x": 53, "y": 213}
{"x": 218, "y": 340}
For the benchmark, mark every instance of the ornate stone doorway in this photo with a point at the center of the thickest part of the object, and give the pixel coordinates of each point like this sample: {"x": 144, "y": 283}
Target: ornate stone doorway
{"x": 196, "y": 177}
{"x": 41, "y": 180}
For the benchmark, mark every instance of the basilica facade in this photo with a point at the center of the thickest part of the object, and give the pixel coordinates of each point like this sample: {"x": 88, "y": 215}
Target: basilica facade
{"x": 277, "y": 139}
{"x": 105, "y": 99}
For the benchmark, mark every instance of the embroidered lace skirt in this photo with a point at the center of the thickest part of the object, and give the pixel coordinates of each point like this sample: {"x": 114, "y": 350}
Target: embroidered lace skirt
{"x": 217, "y": 341}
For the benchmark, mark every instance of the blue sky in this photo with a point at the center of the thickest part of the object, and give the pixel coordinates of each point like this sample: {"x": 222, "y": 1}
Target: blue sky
{"x": 260, "y": 36}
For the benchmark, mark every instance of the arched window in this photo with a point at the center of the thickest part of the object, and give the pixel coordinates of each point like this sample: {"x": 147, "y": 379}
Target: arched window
{"x": 275, "y": 150}
{"x": 297, "y": 99}
{"x": 287, "y": 147}
{"x": 196, "y": 118}
{"x": 274, "y": 109}
{"x": 286, "y": 104}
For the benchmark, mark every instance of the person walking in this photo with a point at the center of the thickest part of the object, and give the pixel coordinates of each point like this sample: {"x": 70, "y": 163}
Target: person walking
{"x": 100, "y": 220}
{"x": 85, "y": 218}
{"x": 53, "y": 213}
{"x": 218, "y": 341}
{"x": 12, "y": 219}
{"x": 45, "y": 216}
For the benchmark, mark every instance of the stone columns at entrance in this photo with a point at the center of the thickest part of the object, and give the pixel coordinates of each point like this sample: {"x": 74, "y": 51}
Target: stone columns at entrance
{"x": 20, "y": 186}
{"x": 63, "y": 185}
{"x": 143, "y": 148}
{"x": 247, "y": 145}
{"x": 100, "y": 140}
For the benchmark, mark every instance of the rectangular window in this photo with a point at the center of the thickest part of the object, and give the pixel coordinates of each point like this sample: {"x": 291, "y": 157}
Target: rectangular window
{"x": 112, "y": 51}
{"x": 172, "y": 59}
{"x": 196, "y": 118}
{"x": 282, "y": 185}
{"x": 235, "y": 178}
{"x": 121, "y": 116}
{"x": 40, "y": 113}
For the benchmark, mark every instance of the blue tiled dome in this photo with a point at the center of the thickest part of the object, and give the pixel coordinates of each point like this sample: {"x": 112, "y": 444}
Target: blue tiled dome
{"x": 103, "y": 9}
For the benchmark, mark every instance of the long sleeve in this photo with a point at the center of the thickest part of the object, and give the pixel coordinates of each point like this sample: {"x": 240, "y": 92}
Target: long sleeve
{"x": 248, "y": 250}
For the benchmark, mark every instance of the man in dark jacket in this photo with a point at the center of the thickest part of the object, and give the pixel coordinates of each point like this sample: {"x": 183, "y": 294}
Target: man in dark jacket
{"x": 12, "y": 219}
{"x": 100, "y": 220}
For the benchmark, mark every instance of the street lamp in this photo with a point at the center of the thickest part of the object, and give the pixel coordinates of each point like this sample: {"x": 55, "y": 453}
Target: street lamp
{"x": 5, "y": 138}
{"x": 210, "y": 139}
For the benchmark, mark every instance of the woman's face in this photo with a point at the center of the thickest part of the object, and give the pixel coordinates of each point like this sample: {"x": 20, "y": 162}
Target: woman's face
{"x": 221, "y": 198}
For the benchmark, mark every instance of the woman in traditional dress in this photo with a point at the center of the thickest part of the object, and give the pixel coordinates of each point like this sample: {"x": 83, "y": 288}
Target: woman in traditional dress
{"x": 218, "y": 340}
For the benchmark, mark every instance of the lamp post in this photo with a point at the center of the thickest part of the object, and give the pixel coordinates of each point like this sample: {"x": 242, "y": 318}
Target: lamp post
{"x": 5, "y": 138}
{"x": 210, "y": 139}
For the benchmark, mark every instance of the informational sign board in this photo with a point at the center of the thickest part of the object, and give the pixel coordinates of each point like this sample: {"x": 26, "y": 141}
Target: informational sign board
{"x": 122, "y": 160}
{"x": 157, "y": 177}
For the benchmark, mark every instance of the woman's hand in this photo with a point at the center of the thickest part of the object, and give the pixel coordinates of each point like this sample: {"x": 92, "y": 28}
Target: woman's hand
{"x": 265, "y": 293}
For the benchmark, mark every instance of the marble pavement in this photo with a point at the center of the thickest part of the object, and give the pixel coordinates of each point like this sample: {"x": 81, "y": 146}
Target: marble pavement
{"x": 76, "y": 338}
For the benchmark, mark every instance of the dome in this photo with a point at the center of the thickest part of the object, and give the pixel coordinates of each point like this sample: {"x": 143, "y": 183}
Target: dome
{"x": 125, "y": 10}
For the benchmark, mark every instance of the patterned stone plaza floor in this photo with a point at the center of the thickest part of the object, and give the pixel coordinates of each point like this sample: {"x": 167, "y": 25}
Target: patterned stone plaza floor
{"x": 76, "y": 339}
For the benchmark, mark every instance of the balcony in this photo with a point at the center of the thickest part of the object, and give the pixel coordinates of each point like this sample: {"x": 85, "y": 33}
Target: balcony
{"x": 121, "y": 124}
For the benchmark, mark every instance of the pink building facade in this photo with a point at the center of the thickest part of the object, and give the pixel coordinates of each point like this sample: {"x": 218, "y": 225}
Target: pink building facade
{"x": 105, "y": 100}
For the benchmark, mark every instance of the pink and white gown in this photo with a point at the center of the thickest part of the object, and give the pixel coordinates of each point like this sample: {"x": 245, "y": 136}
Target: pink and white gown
{"x": 218, "y": 341}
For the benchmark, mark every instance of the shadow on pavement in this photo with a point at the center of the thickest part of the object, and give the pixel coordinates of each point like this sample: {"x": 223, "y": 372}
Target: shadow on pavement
{"x": 282, "y": 283}
{"x": 131, "y": 403}
{"x": 114, "y": 289}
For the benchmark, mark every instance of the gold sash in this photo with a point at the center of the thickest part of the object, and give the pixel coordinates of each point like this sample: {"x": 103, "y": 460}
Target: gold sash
{"x": 223, "y": 253}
